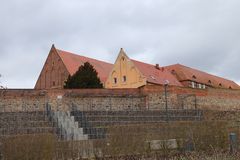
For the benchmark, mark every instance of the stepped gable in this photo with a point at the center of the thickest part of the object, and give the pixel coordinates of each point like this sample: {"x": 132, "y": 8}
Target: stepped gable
{"x": 156, "y": 75}
{"x": 184, "y": 73}
{"x": 73, "y": 62}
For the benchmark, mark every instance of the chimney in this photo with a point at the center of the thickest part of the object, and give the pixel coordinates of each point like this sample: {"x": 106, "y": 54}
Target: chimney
{"x": 157, "y": 66}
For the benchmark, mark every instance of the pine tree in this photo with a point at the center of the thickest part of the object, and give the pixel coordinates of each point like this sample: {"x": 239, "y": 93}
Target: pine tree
{"x": 85, "y": 77}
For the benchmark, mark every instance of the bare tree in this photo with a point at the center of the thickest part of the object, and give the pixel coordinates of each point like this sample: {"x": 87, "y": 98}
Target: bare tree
{"x": 0, "y": 81}
{"x": 1, "y": 87}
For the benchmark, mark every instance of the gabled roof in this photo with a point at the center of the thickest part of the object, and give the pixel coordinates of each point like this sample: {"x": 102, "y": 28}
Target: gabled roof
{"x": 73, "y": 62}
{"x": 184, "y": 73}
{"x": 156, "y": 75}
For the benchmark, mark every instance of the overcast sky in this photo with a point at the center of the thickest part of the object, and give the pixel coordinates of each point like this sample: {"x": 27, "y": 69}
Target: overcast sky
{"x": 204, "y": 34}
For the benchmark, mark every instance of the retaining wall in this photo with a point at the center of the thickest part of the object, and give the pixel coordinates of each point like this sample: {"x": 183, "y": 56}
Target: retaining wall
{"x": 148, "y": 97}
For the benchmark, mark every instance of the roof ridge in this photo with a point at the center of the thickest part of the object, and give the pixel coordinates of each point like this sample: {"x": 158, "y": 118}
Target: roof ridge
{"x": 82, "y": 56}
{"x": 216, "y": 76}
{"x": 143, "y": 62}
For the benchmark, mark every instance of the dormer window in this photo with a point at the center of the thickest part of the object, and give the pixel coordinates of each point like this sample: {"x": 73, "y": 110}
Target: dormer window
{"x": 220, "y": 84}
{"x": 194, "y": 77}
{"x": 153, "y": 77}
{"x": 230, "y": 87}
{"x": 173, "y": 71}
{"x": 209, "y": 81}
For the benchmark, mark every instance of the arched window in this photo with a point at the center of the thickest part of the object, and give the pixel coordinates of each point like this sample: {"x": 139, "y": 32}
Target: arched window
{"x": 124, "y": 78}
{"x": 114, "y": 77}
{"x": 123, "y": 67}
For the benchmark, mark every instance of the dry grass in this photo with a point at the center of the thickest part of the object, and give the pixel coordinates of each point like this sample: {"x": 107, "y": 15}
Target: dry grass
{"x": 43, "y": 147}
{"x": 34, "y": 147}
{"x": 208, "y": 138}
{"x": 187, "y": 156}
{"x": 204, "y": 156}
{"x": 203, "y": 136}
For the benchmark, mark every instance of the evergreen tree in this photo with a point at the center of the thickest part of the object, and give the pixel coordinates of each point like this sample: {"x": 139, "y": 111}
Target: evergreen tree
{"x": 85, "y": 77}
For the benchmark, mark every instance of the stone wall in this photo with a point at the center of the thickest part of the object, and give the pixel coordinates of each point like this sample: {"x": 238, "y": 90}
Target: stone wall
{"x": 180, "y": 97}
{"x": 96, "y": 99}
{"x": 85, "y": 99}
{"x": 22, "y": 100}
{"x": 148, "y": 97}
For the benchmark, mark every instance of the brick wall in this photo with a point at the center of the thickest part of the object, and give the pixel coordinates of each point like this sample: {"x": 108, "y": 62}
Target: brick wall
{"x": 148, "y": 97}
{"x": 53, "y": 74}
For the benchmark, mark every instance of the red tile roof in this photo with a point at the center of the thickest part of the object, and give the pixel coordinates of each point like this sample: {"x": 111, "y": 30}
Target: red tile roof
{"x": 73, "y": 61}
{"x": 156, "y": 76}
{"x": 184, "y": 73}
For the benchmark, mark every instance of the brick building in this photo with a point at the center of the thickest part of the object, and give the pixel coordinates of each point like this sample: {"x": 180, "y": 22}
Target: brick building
{"x": 126, "y": 73}
{"x": 60, "y": 64}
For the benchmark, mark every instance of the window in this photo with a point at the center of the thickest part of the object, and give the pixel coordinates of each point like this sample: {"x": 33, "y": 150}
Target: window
{"x": 53, "y": 65}
{"x": 194, "y": 77}
{"x": 204, "y": 86}
{"x": 124, "y": 79}
{"x": 153, "y": 77}
{"x": 53, "y": 83}
{"x": 220, "y": 84}
{"x": 209, "y": 81}
{"x": 115, "y": 80}
{"x": 199, "y": 85}
{"x": 193, "y": 84}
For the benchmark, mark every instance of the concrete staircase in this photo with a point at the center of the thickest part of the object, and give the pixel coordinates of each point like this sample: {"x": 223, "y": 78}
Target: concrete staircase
{"x": 68, "y": 128}
{"x": 93, "y": 132}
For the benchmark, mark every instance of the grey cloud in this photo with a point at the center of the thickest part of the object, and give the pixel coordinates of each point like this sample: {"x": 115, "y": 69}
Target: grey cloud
{"x": 201, "y": 34}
